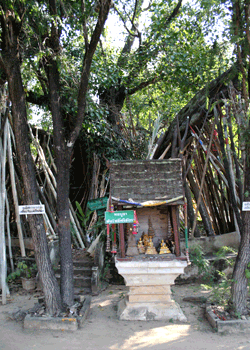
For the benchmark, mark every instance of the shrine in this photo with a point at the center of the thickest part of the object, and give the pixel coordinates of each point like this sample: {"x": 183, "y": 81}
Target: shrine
{"x": 144, "y": 232}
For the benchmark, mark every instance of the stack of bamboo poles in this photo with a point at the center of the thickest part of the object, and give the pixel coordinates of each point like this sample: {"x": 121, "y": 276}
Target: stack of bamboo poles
{"x": 48, "y": 195}
{"x": 211, "y": 168}
{"x": 6, "y": 153}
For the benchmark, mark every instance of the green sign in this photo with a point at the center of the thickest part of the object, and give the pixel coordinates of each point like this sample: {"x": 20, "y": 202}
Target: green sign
{"x": 99, "y": 203}
{"x": 119, "y": 217}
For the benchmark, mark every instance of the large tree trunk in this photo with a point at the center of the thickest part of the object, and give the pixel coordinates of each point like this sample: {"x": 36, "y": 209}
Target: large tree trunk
{"x": 46, "y": 274}
{"x": 239, "y": 286}
{"x": 66, "y": 262}
{"x": 63, "y": 159}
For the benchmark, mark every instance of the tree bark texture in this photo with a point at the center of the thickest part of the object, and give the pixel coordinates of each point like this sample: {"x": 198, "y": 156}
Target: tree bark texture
{"x": 63, "y": 159}
{"x": 239, "y": 290}
{"x": 17, "y": 96}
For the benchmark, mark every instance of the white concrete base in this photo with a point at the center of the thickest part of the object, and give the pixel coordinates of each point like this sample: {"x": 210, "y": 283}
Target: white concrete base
{"x": 150, "y": 311}
{"x": 149, "y": 296}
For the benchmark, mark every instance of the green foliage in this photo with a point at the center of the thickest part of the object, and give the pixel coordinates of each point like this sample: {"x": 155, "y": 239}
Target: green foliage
{"x": 84, "y": 218}
{"x": 197, "y": 258}
{"x": 217, "y": 282}
{"x": 222, "y": 253}
{"x": 98, "y": 227}
{"x": 23, "y": 270}
{"x": 219, "y": 292}
{"x": 247, "y": 273}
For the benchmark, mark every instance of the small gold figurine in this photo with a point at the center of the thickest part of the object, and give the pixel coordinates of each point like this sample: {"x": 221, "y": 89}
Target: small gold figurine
{"x": 141, "y": 247}
{"x": 145, "y": 240}
{"x": 164, "y": 249}
{"x": 151, "y": 249}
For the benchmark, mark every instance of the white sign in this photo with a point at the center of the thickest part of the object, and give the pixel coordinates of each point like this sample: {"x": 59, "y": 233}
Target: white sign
{"x": 246, "y": 206}
{"x": 31, "y": 209}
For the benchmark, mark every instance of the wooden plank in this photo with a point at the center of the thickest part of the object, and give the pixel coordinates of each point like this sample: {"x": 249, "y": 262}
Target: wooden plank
{"x": 175, "y": 228}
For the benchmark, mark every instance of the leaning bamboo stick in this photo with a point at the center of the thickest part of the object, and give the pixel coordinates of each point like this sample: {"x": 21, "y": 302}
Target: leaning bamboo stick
{"x": 47, "y": 208}
{"x": 76, "y": 222}
{"x": 3, "y": 261}
{"x": 14, "y": 192}
{"x": 46, "y": 219}
{"x": 214, "y": 198}
{"x": 202, "y": 179}
{"x": 8, "y": 233}
{"x": 52, "y": 184}
{"x": 165, "y": 152}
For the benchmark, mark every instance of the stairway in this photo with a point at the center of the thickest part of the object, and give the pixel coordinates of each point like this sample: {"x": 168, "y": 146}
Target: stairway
{"x": 85, "y": 273}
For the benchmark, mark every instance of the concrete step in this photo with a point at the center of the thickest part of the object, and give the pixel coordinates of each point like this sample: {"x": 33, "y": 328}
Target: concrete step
{"x": 79, "y": 271}
{"x": 79, "y": 281}
{"x": 83, "y": 263}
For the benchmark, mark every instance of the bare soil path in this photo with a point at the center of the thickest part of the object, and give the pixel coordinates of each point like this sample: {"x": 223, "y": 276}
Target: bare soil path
{"x": 103, "y": 331}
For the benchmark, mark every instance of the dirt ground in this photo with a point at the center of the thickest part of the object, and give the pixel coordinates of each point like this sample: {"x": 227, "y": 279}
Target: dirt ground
{"x": 103, "y": 331}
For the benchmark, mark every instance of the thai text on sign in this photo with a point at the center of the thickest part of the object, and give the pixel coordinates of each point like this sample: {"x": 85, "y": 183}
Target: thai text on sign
{"x": 246, "y": 206}
{"x": 119, "y": 217}
{"x": 31, "y": 209}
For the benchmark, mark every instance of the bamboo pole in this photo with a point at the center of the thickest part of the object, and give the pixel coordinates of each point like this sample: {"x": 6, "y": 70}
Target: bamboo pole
{"x": 237, "y": 216}
{"x": 14, "y": 192}
{"x": 8, "y": 233}
{"x": 52, "y": 184}
{"x": 165, "y": 152}
{"x": 47, "y": 208}
{"x": 3, "y": 260}
{"x": 202, "y": 179}
{"x": 208, "y": 202}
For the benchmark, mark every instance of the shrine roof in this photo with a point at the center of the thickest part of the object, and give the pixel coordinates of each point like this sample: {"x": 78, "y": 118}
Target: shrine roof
{"x": 142, "y": 181}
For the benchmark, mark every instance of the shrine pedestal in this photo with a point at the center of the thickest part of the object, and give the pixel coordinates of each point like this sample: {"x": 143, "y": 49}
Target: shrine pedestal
{"x": 149, "y": 296}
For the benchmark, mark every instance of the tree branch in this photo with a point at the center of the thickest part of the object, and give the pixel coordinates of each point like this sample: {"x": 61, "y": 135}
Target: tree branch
{"x": 87, "y": 61}
{"x": 84, "y": 27}
{"x": 175, "y": 12}
{"x": 143, "y": 85}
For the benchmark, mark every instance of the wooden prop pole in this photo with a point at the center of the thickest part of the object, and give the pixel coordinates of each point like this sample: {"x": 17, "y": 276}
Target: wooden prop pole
{"x": 202, "y": 179}
{"x": 175, "y": 228}
{"x": 3, "y": 261}
{"x": 14, "y": 193}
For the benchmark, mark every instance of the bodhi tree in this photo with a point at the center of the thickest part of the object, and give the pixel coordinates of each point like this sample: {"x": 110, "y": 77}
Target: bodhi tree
{"x": 240, "y": 36}
{"x": 165, "y": 58}
{"x": 35, "y": 32}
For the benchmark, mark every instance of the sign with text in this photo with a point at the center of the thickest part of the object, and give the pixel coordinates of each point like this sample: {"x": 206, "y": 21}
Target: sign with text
{"x": 246, "y": 206}
{"x": 119, "y": 217}
{"x": 99, "y": 203}
{"x": 31, "y": 209}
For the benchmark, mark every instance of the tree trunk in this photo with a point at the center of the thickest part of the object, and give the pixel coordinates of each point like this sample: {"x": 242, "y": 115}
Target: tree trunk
{"x": 239, "y": 286}
{"x": 63, "y": 159}
{"x": 46, "y": 274}
{"x": 67, "y": 283}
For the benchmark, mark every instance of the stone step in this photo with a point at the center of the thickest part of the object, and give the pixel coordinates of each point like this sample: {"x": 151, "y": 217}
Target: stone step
{"x": 83, "y": 263}
{"x": 79, "y": 281}
{"x": 79, "y": 271}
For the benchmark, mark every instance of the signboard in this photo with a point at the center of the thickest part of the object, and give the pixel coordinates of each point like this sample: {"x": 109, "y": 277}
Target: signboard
{"x": 119, "y": 217}
{"x": 246, "y": 206}
{"x": 31, "y": 209}
{"x": 99, "y": 203}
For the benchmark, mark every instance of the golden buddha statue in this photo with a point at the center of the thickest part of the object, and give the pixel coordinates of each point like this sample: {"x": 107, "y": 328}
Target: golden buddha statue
{"x": 151, "y": 249}
{"x": 141, "y": 247}
{"x": 164, "y": 249}
{"x": 145, "y": 240}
